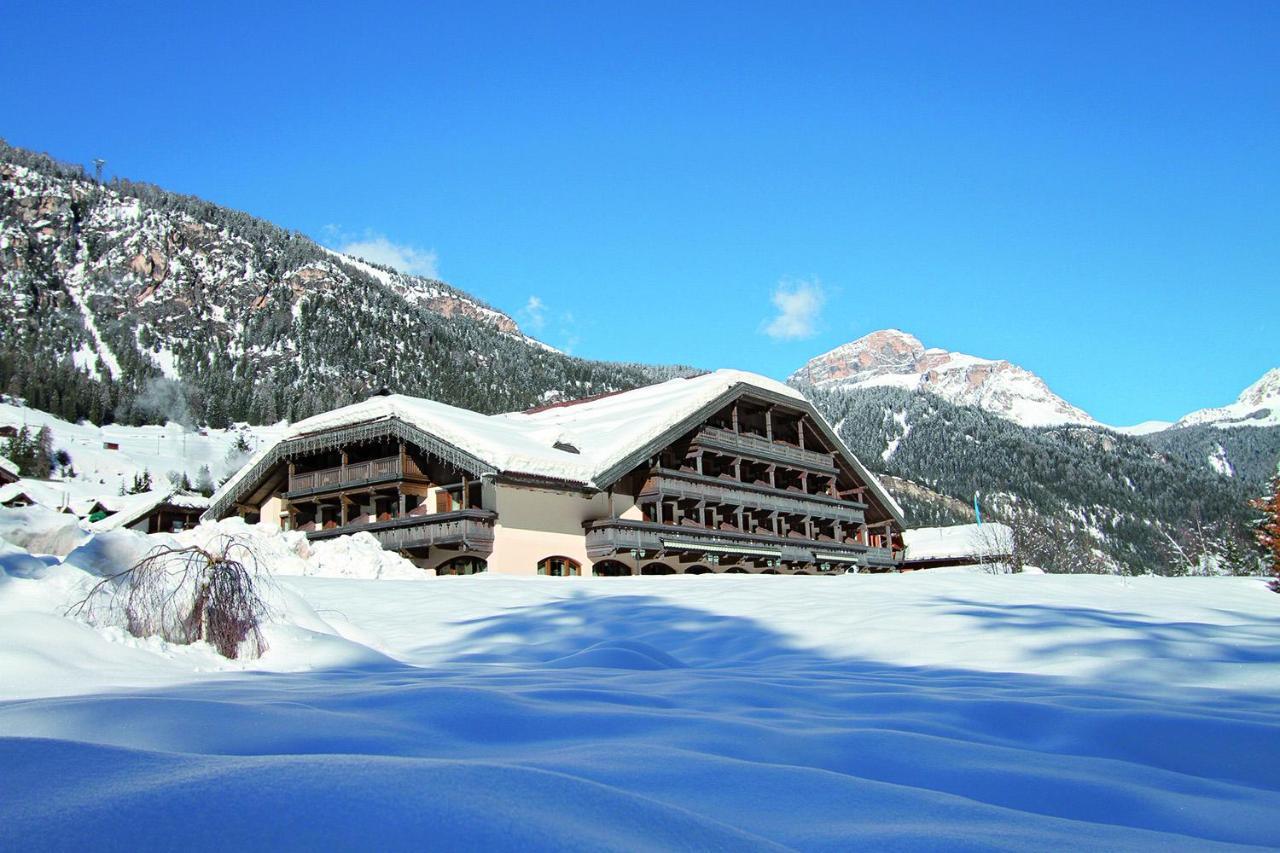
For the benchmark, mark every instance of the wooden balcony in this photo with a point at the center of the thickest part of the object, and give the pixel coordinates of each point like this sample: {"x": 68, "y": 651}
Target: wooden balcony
{"x": 678, "y": 484}
{"x": 612, "y": 535}
{"x": 353, "y": 474}
{"x": 468, "y": 529}
{"x": 759, "y": 447}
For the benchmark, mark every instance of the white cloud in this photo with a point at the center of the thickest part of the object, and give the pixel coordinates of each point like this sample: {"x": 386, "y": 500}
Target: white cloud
{"x": 376, "y": 248}
{"x": 534, "y": 314}
{"x": 799, "y": 304}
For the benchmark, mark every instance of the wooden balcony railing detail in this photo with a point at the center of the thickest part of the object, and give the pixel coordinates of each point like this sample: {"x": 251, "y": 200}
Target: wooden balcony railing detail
{"x": 762, "y": 448}
{"x": 470, "y": 528}
{"x": 387, "y": 468}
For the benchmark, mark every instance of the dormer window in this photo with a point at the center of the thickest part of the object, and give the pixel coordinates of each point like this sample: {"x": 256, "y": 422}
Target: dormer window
{"x": 566, "y": 447}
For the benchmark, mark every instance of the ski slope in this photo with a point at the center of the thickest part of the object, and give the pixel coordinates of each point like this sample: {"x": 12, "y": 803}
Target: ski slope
{"x": 918, "y": 712}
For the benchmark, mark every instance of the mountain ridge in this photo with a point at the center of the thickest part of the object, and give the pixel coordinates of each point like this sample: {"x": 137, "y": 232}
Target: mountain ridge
{"x": 125, "y": 301}
{"x": 893, "y": 358}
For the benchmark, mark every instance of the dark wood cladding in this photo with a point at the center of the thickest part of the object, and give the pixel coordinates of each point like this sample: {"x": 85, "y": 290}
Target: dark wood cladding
{"x": 353, "y": 474}
{"x": 763, "y": 449}
{"x": 681, "y": 485}
{"x": 610, "y": 536}
{"x": 469, "y": 529}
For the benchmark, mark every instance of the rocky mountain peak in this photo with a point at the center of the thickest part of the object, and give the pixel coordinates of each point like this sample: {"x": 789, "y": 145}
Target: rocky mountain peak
{"x": 891, "y": 357}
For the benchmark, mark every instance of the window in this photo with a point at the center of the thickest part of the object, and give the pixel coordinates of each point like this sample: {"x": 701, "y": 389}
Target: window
{"x": 559, "y": 567}
{"x": 462, "y": 566}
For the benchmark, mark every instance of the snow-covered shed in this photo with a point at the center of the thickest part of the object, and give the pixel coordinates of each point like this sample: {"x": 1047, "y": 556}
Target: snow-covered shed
{"x": 160, "y": 511}
{"x": 8, "y": 471}
{"x": 957, "y": 545}
{"x": 727, "y": 471}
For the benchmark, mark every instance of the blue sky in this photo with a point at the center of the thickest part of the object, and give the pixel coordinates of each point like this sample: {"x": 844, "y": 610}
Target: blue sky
{"x": 1089, "y": 190}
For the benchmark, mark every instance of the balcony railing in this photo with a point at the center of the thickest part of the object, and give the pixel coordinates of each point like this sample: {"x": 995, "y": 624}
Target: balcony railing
{"x": 470, "y": 528}
{"x": 612, "y": 535}
{"x": 677, "y": 484}
{"x": 762, "y": 448}
{"x": 388, "y": 468}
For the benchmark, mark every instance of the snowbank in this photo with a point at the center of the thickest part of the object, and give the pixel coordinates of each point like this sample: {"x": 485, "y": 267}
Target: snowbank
{"x": 41, "y": 530}
{"x": 923, "y": 711}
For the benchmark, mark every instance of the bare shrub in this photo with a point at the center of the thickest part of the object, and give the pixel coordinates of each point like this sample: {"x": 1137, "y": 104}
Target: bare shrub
{"x": 188, "y": 594}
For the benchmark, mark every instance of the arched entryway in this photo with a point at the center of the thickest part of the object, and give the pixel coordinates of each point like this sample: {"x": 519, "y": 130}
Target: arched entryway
{"x": 698, "y": 570}
{"x": 735, "y": 570}
{"x": 610, "y": 569}
{"x": 462, "y": 566}
{"x": 559, "y": 567}
{"x": 657, "y": 569}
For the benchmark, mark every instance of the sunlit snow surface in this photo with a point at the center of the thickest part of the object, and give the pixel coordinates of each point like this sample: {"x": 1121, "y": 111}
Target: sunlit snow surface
{"x": 928, "y": 711}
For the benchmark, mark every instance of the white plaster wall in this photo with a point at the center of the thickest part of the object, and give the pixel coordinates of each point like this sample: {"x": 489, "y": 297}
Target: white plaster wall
{"x": 535, "y": 523}
{"x": 269, "y": 512}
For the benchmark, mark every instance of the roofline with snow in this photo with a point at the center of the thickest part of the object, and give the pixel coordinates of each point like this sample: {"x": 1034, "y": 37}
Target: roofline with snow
{"x": 255, "y": 472}
{"x": 734, "y": 392}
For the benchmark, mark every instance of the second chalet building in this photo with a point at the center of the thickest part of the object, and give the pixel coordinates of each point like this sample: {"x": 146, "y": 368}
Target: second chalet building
{"x": 725, "y": 472}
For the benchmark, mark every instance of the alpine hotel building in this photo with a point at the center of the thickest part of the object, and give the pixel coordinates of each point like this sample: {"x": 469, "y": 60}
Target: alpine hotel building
{"x": 725, "y": 472}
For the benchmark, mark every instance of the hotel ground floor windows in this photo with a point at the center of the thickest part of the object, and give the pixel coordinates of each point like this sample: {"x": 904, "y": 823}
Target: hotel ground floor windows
{"x": 559, "y": 567}
{"x": 462, "y": 566}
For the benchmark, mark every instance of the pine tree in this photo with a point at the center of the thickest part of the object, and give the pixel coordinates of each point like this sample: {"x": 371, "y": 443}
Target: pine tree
{"x": 1268, "y": 530}
{"x": 204, "y": 481}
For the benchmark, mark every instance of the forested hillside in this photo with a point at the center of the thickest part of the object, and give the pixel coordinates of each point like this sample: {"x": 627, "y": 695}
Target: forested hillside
{"x": 124, "y": 301}
{"x": 1120, "y": 501}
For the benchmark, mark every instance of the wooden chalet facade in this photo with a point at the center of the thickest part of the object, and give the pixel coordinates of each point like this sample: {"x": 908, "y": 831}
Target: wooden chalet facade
{"x": 727, "y": 472}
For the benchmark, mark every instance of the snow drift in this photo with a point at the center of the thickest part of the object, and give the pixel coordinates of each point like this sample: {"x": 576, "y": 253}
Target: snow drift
{"x": 919, "y": 711}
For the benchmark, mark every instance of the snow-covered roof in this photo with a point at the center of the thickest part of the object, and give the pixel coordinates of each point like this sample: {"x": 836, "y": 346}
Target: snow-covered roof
{"x": 9, "y": 467}
{"x": 41, "y": 492}
{"x": 605, "y": 431}
{"x": 131, "y": 508}
{"x": 957, "y": 541}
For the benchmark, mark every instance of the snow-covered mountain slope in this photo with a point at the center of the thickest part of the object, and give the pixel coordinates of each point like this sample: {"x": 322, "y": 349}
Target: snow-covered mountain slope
{"x": 106, "y": 458}
{"x": 896, "y": 359}
{"x": 107, "y": 290}
{"x": 1257, "y": 406}
{"x": 1144, "y": 428}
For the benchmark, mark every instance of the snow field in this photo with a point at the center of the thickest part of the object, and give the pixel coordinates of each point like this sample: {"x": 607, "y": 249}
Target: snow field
{"x": 918, "y": 712}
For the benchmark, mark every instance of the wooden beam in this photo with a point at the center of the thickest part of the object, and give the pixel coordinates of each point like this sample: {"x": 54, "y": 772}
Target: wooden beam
{"x": 768, "y": 422}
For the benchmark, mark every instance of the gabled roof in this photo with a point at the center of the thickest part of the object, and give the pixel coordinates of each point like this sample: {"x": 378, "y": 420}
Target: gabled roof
{"x": 9, "y": 467}
{"x": 610, "y": 433}
{"x": 131, "y": 508}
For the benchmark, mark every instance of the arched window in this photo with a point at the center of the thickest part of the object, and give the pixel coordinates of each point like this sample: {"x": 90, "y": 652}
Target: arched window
{"x": 610, "y": 569}
{"x": 657, "y": 569}
{"x": 462, "y": 566}
{"x": 769, "y": 572}
{"x": 697, "y": 570}
{"x": 735, "y": 570}
{"x": 559, "y": 567}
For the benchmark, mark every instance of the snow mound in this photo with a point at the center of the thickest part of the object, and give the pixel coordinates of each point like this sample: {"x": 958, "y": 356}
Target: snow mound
{"x": 41, "y": 530}
{"x": 618, "y": 655}
{"x": 359, "y": 556}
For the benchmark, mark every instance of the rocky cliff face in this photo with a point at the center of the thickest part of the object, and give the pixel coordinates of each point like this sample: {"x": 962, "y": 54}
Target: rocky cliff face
{"x": 894, "y": 358}
{"x": 1257, "y": 406}
{"x": 111, "y": 289}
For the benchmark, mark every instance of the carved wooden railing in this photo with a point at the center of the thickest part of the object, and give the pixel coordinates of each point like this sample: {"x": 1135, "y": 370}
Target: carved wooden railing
{"x": 762, "y": 448}
{"x": 355, "y": 472}
{"x": 680, "y": 485}
{"x": 472, "y": 528}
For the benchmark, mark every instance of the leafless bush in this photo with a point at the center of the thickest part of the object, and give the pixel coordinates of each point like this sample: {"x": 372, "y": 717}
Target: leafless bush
{"x": 188, "y": 594}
